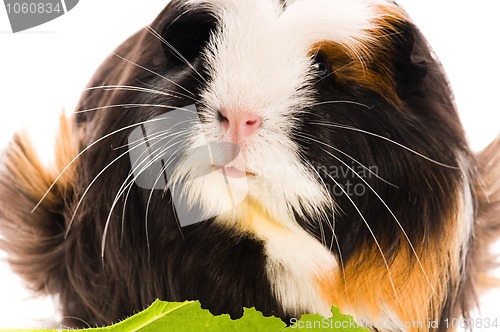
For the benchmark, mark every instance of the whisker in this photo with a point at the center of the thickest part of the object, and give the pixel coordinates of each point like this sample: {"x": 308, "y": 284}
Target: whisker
{"x": 151, "y": 86}
{"x": 124, "y": 212}
{"x": 386, "y": 139}
{"x": 122, "y": 105}
{"x": 405, "y": 234}
{"x": 159, "y": 176}
{"x": 126, "y": 184}
{"x": 135, "y": 167}
{"x": 342, "y": 265}
{"x": 154, "y": 73}
{"x": 151, "y": 90}
{"x": 366, "y": 168}
{"x": 177, "y": 220}
{"x": 80, "y": 201}
{"x": 342, "y": 102}
{"x": 332, "y": 228}
{"x": 90, "y": 146}
{"x": 371, "y": 232}
{"x": 129, "y": 185}
{"x": 322, "y": 231}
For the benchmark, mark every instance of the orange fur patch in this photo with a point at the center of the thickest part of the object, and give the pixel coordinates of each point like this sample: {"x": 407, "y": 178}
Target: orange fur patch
{"x": 35, "y": 178}
{"x": 408, "y": 289}
{"x": 250, "y": 218}
{"x": 367, "y": 63}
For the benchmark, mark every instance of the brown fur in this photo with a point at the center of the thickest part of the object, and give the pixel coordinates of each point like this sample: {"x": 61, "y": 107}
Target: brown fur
{"x": 481, "y": 260}
{"x": 24, "y": 181}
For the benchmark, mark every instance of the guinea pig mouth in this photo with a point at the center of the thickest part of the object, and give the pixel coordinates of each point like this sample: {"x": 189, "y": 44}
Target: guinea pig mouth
{"x": 233, "y": 172}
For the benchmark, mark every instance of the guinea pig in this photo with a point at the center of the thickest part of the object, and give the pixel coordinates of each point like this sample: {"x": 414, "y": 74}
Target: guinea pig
{"x": 286, "y": 155}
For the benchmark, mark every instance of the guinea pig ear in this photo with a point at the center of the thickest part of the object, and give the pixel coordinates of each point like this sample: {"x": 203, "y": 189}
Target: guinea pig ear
{"x": 412, "y": 59}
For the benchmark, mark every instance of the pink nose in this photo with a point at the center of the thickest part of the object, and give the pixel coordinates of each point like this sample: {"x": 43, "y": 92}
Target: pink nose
{"x": 240, "y": 125}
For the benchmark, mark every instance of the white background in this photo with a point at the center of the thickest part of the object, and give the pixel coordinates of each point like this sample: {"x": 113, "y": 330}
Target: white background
{"x": 43, "y": 71}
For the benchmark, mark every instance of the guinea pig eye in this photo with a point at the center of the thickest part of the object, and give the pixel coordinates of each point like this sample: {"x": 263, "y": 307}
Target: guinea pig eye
{"x": 187, "y": 36}
{"x": 321, "y": 67}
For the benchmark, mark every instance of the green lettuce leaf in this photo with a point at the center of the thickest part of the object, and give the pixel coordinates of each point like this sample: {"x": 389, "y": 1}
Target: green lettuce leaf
{"x": 189, "y": 316}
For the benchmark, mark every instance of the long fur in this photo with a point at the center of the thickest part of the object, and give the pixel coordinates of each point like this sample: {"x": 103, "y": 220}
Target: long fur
{"x": 413, "y": 247}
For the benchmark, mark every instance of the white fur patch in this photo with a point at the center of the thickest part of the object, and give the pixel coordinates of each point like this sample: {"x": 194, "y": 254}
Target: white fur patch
{"x": 295, "y": 264}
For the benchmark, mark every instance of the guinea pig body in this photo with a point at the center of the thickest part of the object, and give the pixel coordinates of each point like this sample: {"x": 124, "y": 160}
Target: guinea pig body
{"x": 336, "y": 172}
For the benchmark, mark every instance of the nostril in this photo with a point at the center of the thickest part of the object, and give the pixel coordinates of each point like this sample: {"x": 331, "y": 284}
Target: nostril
{"x": 251, "y": 122}
{"x": 221, "y": 117}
